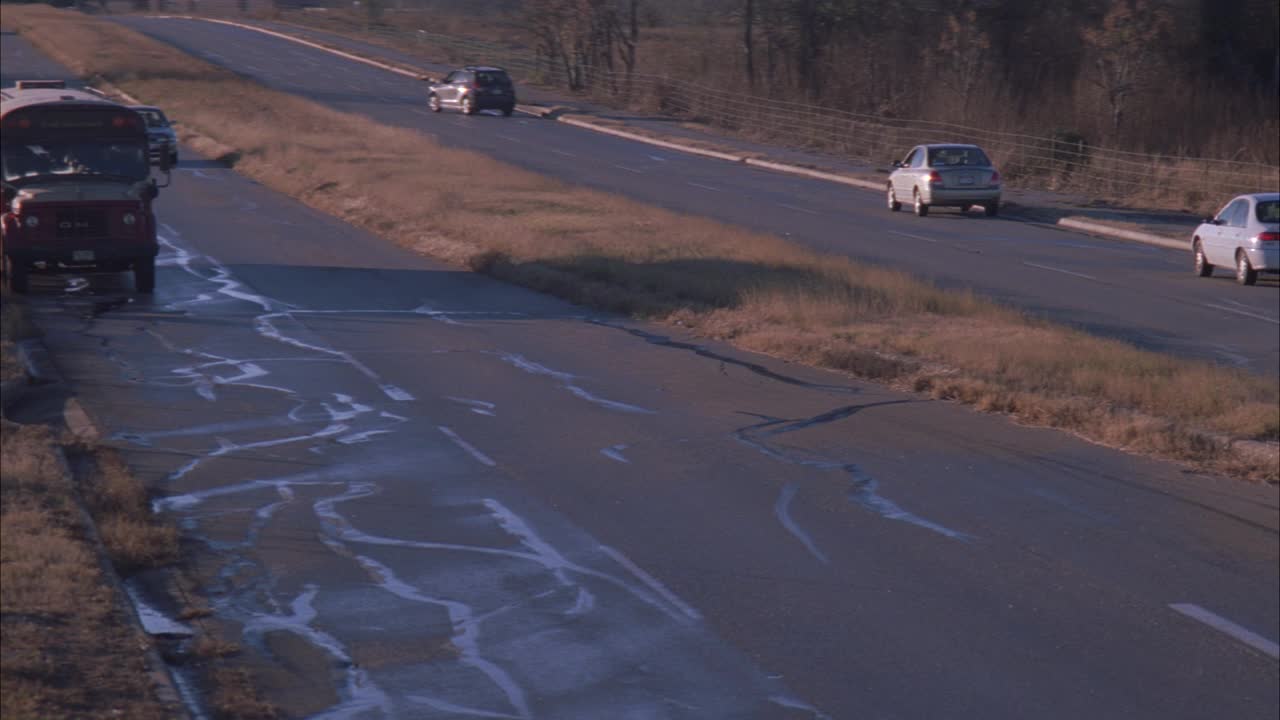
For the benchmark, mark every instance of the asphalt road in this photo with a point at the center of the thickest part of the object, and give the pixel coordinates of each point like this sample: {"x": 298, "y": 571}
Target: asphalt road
{"x": 1141, "y": 294}
{"x": 426, "y": 494}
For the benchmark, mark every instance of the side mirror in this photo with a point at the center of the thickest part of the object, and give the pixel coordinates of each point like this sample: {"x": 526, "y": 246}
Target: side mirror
{"x": 164, "y": 158}
{"x": 153, "y": 192}
{"x": 897, "y": 163}
{"x": 1209, "y": 220}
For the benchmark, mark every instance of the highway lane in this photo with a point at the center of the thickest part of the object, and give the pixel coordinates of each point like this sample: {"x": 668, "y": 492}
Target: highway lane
{"x": 1142, "y": 294}
{"x": 459, "y": 497}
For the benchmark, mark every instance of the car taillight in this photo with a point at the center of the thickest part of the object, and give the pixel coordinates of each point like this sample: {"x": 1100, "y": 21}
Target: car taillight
{"x": 934, "y": 177}
{"x": 1268, "y": 237}
{"x": 995, "y": 177}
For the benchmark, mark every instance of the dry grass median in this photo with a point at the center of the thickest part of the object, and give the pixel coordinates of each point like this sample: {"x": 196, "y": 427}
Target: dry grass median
{"x": 756, "y": 290}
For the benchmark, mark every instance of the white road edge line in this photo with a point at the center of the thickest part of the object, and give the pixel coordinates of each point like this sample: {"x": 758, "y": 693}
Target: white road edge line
{"x": 1245, "y": 313}
{"x": 1060, "y": 270}
{"x": 1221, "y": 624}
{"x": 652, "y": 582}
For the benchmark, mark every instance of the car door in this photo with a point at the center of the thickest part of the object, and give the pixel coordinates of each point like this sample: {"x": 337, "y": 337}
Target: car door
{"x": 1211, "y": 238}
{"x": 444, "y": 90}
{"x": 1228, "y": 228}
{"x": 461, "y": 84}
{"x": 903, "y": 179}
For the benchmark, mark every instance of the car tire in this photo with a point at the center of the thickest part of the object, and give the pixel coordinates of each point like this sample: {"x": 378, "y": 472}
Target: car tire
{"x": 894, "y": 205}
{"x": 506, "y": 111}
{"x": 433, "y": 102}
{"x": 16, "y": 277}
{"x": 918, "y": 205}
{"x": 468, "y": 105}
{"x": 991, "y": 209}
{"x": 1245, "y": 274}
{"x": 1201, "y": 262}
{"x": 144, "y": 275}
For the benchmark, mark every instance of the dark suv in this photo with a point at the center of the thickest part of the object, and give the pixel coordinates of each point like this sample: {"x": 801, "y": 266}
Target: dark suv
{"x": 472, "y": 89}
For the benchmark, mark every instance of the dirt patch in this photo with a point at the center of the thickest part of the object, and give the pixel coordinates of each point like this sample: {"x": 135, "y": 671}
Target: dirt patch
{"x": 755, "y": 290}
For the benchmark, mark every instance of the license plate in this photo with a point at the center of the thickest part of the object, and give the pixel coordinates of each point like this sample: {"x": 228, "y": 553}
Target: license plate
{"x": 966, "y": 180}
{"x": 82, "y": 255}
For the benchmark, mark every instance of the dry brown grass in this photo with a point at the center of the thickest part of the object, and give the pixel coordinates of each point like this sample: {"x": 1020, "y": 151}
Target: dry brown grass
{"x": 756, "y": 290}
{"x": 69, "y": 651}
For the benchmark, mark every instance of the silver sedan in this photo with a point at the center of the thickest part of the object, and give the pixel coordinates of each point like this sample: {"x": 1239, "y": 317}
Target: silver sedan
{"x": 1245, "y": 234}
{"x": 945, "y": 175}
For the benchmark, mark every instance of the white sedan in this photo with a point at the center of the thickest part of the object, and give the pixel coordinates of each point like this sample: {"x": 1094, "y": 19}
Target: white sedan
{"x": 1244, "y": 234}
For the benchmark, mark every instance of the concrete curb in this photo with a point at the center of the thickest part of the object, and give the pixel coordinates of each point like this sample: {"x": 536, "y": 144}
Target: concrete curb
{"x": 1091, "y": 228}
{"x": 577, "y": 122}
{"x": 1100, "y": 229}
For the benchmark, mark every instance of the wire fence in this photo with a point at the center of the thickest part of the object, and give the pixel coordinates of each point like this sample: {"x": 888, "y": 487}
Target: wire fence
{"x": 1060, "y": 163}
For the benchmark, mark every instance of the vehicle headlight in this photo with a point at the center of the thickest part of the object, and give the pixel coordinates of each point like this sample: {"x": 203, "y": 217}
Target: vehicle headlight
{"x": 129, "y": 218}
{"x": 31, "y": 221}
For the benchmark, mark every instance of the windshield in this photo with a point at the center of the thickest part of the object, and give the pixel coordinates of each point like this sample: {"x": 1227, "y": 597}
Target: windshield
{"x": 1269, "y": 211}
{"x": 75, "y": 158}
{"x": 154, "y": 118}
{"x": 950, "y": 156}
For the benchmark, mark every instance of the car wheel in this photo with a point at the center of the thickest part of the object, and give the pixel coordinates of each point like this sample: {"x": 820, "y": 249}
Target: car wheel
{"x": 1245, "y": 274}
{"x": 433, "y": 102}
{"x": 468, "y": 105}
{"x": 894, "y": 205}
{"x": 506, "y": 111}
{"x": 144, "y": 275}
{"x": 15, "y": 276}
{"x": 991, "y": 209}
{"x": 1203, "y": 268}
{"x": 918, "y": 204}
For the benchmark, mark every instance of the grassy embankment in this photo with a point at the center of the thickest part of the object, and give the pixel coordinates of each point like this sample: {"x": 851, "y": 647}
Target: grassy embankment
{"x": 69, "y": 650}
{"x": 755, "y": 290}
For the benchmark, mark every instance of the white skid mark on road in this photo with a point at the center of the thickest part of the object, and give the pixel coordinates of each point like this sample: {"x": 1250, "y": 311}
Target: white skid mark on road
{"x": 794, "y": 704}
{"x": 1221, "y": 624}
{"x": 479, "y": 407}
{"x": 471, "y": 449}
{"x": 562, "y": 152}
{"x": 799, "y": 209}
{"x": 614, "y": 452}
{"x": 566, "y": 381}
{"x": 913, "y": 237}
{"x": 629, "y": 169}
{"x": 783, "y": 510}
{"x": 704, "y": 187}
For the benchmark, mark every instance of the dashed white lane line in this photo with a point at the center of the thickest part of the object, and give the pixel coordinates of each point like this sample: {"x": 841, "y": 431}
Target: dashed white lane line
{"x": 799, "y": 209}
{"x": 562, "y": 152}
{"x": 1245, "y": 313}
{"x": 1221, "y": 624}
{"x": 508, "y": 138}
{"x": 629, "y": 169}
{"x": 1060, "y": 270}
{"x": 471, "y": 449}
{"x": 419, "y": 111}
{"x": 914, "y": 237}
{"x": 704, "y": 187}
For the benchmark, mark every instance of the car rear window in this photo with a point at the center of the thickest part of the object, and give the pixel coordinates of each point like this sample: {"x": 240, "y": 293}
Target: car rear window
{"x": 485, "y": 78}
{"x": 1268, "y": 211}
{"x": 949, "y": 156}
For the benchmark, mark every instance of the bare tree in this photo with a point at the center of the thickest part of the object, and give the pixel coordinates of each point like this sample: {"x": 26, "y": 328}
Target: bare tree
{"x": 962, "y": 60}
{"x": 1124, "y": 52}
